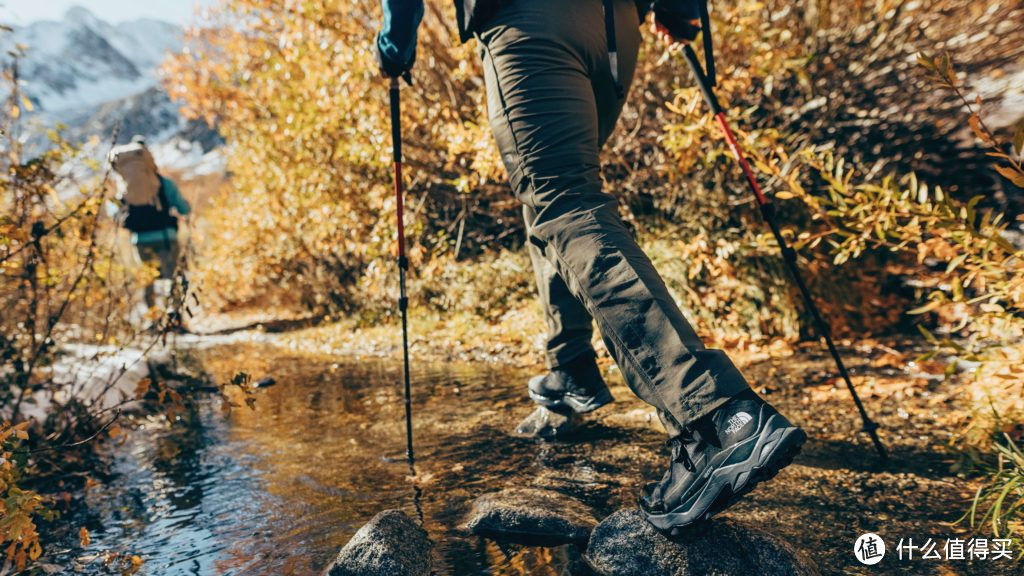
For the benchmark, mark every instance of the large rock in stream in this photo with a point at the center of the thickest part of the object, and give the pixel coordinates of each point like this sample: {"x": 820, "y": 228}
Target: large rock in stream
{"x": 624, "y": 544}
{"x": 531, "y": 516}
{"x": 390, "y": 544}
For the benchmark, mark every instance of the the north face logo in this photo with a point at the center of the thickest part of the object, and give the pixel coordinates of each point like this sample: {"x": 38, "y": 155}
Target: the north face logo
{"x": 737, "y": 421}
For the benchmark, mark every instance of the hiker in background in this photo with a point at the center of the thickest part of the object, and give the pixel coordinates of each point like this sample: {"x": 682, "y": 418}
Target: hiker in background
{"x": 149, "y": 203}
{"x": 557, "y": 75}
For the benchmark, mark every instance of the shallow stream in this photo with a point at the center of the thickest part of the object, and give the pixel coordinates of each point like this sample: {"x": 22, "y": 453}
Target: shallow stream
{"x": 278, "y": 489}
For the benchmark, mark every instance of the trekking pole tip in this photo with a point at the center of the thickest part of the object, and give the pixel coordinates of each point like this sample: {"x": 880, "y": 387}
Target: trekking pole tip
{"x": 871, "y": 427}
{"x": 883, "y": 454}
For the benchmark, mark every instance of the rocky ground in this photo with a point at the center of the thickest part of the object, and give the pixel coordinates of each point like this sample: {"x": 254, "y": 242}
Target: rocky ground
{"x": 836, "y": 490}
{"x": 465, "y": 420}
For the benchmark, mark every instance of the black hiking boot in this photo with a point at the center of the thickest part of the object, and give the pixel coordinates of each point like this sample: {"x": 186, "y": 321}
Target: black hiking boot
{"x": 577, "y": 386}
{"x": 718, "y": 459}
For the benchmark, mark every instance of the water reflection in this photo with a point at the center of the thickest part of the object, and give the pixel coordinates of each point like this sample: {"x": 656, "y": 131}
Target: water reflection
{"x": 279, "y": 489}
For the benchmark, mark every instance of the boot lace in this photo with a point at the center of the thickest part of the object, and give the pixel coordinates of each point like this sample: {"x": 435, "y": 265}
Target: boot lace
{"x": 679, "y": 452}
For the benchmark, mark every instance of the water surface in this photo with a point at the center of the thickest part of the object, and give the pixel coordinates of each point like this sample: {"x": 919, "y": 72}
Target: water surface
{"x": 278, "y": 489}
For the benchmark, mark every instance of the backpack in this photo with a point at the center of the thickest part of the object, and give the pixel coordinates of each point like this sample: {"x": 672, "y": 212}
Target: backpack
{"x": 135, "y": 164}
{"x": 145, "y": 200}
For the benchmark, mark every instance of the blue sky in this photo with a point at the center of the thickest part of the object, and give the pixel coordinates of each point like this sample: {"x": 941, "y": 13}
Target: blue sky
{"x": 114, "y": 11}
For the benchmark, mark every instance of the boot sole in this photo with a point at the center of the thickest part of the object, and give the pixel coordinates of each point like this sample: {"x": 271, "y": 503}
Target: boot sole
{"x": 774, "y": 449}
{"x": 578, "y": 404}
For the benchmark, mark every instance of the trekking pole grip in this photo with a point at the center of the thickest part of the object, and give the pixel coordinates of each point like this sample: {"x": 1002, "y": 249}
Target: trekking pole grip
{"x": 396, "y": 114}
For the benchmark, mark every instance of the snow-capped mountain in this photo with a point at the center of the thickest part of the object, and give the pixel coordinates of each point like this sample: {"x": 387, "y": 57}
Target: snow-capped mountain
{"x": 83, "y": 61}
{"x": 90, "y": 76}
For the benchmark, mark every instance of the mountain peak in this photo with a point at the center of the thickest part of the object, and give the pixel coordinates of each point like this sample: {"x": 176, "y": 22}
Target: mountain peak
{"x": 81, "y": 15}
{"x": 82, "y": 61}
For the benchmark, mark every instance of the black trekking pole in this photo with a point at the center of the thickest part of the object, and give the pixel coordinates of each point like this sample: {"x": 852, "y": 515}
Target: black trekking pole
{"x": 768, "y": 212}
{"x": 403, "y": 262}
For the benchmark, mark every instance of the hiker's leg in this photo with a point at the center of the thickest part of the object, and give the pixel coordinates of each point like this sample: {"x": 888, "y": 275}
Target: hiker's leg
{"x": 168, "y": 269}
{"x": 570, "y": 326}
{"x": 169, "y": 259}
{"x": 148, "y": 255}
{"x": 545, "y": 76}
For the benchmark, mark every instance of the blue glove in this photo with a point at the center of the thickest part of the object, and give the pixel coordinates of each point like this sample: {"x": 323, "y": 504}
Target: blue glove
{"x": 390, "y": 66}
{"x": 395, "y": 46}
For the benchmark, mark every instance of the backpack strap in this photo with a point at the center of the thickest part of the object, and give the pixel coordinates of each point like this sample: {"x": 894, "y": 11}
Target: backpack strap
{"x": 163, "y": 204}
{"x": 160, "y": 200}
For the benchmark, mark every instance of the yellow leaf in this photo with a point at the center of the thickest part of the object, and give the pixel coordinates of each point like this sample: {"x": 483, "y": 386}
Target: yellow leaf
{"x": 1015, "y": 176}
{"x": 15, "y": 112}
{"x": 142, "y": 388}
{"x": 976, "y": 127}
{"x": 83, "y": 536}
{"x": 926, "y": 308}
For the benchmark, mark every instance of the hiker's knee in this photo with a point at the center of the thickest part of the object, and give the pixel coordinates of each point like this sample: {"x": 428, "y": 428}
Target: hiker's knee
{"x": 546, "y": 180}
{"x": 576, "y": 227}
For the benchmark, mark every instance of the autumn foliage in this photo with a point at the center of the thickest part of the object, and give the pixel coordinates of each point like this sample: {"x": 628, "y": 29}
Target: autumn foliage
{"x": 298, "y": 96}
{"x": 901, "y": 221}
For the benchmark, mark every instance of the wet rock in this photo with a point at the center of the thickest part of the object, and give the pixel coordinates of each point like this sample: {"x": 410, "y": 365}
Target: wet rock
{"x": 624, "y": 544}
{"x": 531, "y": 516}
{"x": 545, "y": 424}
{"x": 390, "y": 544}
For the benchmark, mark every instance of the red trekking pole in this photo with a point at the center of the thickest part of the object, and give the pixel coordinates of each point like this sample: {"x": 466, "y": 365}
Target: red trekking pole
{"x": 403, "y": 262}
{"x": 768, "y": 212}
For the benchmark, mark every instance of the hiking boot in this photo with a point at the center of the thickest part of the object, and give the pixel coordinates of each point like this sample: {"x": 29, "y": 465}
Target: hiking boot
{"x": 576, "y": 386}
{"x": 718, "y": 459}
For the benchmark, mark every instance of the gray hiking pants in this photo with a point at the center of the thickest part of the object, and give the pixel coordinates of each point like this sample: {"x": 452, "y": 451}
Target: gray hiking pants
{"x": 552, "y": 103}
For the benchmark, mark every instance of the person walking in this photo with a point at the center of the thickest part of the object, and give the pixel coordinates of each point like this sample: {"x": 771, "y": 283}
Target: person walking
{"x": 557, "y": 75}
{"x": 150, "y": 206}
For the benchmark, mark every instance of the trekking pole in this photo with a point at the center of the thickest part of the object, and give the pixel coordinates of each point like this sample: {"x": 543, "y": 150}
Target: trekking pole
{"x": 403, "y": 262}
{"x": 788, "y": 254}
